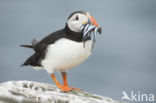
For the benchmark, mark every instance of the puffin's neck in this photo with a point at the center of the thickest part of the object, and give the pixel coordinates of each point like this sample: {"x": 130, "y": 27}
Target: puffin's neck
{"x": 76, "y": 36}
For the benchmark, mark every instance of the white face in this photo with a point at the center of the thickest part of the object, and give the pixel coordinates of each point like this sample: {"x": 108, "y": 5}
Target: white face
{"x": 76, "y": 21}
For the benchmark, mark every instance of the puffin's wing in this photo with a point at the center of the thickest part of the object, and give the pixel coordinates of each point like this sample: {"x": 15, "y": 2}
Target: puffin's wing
{"x": 27, "y": 46}
{"x": 34, "y": 42}
{"x": 41, "y": 48}
{"x": 50, "y": 39}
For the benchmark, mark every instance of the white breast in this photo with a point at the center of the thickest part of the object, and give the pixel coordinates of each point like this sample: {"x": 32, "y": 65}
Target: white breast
{"x": 66, "y": 54}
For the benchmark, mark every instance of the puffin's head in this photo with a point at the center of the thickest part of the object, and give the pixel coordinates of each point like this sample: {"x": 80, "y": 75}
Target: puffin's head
{"x": 83, "y": 23}
{"x": 79, "y": 19}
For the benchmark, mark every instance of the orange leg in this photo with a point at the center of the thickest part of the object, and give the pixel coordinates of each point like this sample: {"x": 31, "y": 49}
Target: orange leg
{"x": 64, "y": 87}
{"x": 65, "y": 83}
{"x": 64, "y": 76}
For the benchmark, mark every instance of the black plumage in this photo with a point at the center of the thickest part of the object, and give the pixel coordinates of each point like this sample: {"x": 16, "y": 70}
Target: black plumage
{"x": 40, "y": 47}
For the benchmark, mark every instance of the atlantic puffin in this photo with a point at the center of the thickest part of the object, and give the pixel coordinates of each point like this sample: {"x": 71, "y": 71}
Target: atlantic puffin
{"x": 65, "y": 48}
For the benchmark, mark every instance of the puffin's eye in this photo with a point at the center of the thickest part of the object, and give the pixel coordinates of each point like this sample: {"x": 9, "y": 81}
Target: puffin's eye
{"x": 77, "y": 18}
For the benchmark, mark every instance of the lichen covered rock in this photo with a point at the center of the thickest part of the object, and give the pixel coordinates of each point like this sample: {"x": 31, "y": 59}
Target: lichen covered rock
{"x": 34, "y": 92}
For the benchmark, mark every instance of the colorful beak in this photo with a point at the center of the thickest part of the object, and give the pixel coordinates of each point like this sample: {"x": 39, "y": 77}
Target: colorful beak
{"x": 93, "y": 21}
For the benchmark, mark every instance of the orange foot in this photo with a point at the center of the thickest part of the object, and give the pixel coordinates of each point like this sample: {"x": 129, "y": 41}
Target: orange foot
{"x": 75, "y": 88}
{"x": 66, "y": 88}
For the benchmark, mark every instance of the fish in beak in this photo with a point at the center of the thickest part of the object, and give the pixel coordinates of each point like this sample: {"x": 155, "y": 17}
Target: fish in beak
{"x": 90, "y": 30}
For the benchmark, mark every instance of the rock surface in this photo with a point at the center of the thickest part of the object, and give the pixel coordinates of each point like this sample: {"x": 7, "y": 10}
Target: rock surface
{"x": 34, "y": 92}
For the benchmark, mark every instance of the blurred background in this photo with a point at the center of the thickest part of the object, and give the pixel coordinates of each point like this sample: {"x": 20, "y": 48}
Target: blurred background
{"x": 124, "y": 56}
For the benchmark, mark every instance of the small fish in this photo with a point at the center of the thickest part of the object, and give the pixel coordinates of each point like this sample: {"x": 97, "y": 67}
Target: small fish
{"x": 90, "y": 31}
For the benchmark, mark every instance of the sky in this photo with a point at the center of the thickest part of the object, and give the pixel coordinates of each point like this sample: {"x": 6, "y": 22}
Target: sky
{"x": 124, "y": 56}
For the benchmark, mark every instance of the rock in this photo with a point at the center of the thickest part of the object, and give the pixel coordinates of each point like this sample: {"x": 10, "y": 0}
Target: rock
{"x": 34, "y": 92}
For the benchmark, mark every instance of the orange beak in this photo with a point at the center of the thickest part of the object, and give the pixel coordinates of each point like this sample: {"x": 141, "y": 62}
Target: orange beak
{"x": 93, "y": 21}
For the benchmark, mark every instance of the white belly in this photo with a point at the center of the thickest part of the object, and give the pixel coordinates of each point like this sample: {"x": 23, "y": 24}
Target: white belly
{"x": 66, "y": 54}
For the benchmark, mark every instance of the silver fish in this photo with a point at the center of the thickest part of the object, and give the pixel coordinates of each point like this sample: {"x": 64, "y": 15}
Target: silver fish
{"x": 90, "y": 31}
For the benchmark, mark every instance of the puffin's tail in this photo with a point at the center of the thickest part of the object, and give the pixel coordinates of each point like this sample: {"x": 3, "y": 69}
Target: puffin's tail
{"x": 33, "y": 60}
{"x": 34, "y": 42}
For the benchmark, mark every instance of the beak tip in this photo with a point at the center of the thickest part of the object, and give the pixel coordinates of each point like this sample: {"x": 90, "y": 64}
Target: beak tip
{"x": 93, "y": 21}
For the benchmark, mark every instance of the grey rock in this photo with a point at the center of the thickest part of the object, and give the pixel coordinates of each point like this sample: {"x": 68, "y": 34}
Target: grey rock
{"x": 34, "y": 92}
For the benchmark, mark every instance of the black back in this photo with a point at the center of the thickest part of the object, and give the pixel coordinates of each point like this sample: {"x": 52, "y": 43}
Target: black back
{"x": 41, "y": 47}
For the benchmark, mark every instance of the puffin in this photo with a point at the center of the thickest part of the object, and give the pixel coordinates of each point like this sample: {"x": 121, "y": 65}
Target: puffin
{"x": 65, "y": 48}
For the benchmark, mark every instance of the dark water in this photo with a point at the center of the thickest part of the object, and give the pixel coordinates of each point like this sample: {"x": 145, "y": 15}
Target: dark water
{"x": 124, "y": 57}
